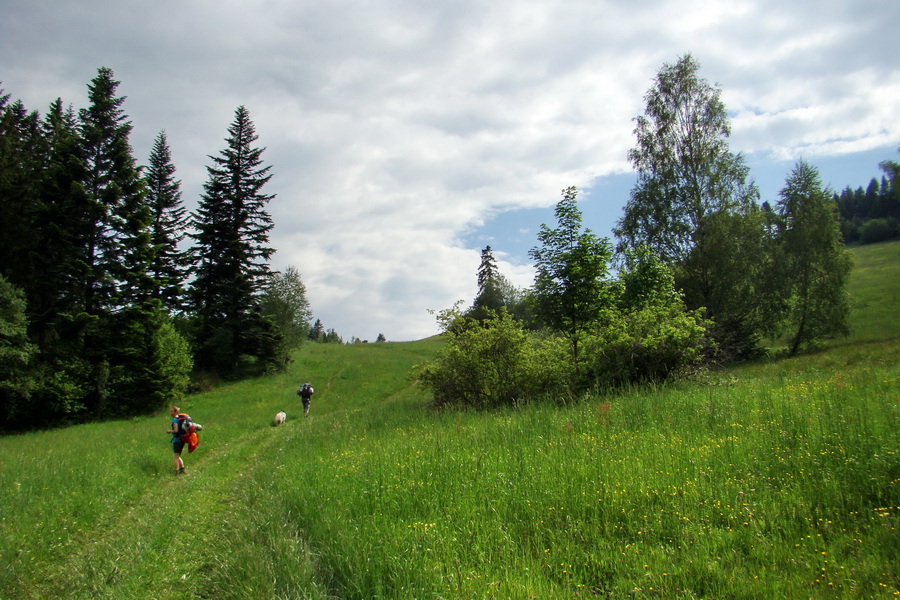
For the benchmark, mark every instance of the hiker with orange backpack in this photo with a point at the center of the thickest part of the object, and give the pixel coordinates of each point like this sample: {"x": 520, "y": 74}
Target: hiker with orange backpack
{"x": 184, "y": 432}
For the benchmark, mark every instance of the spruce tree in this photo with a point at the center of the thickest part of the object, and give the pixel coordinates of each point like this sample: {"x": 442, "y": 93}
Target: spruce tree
{"x": 317, "y": 331}
{"x": 64, "y": 220}
{"x": 489, "y": 298}
{"x": 495, "y": 292}
{"x": 118, "y": 289}
{"x": 487, "y": 270}
{"x": 231, "y": 255}
{"x": 20, "y": 165}
{"x": 169, "y": 227}
{"x": 119, "y": 250}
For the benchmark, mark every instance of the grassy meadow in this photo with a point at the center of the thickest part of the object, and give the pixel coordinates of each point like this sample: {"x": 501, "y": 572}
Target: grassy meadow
{"x": 778, "y": 479}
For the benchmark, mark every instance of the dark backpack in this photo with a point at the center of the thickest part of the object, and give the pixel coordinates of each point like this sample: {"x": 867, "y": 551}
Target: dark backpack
{"x": 186, "y": 425}
{"x": 305, "y": 390}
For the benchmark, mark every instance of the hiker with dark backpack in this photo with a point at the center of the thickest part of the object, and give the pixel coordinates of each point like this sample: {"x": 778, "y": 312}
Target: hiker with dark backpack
{"x": 184, "y": 432}
{"x": 305, "y": 392}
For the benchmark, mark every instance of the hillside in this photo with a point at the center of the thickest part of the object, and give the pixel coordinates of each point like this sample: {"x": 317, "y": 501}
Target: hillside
{"x": 777, "y": 479}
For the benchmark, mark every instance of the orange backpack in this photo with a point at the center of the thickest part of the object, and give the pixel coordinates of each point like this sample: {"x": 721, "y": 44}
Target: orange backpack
{"x": 188, "y": 431}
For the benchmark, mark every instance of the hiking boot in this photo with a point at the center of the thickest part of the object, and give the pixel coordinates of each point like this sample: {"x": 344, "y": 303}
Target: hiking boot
{"x": 180, "y": 471}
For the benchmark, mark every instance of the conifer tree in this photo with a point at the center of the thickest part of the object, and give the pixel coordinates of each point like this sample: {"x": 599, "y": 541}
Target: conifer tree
{"x": 79, "y": 249}
{"x": 40, "y": 176}
{"x": 119, "y": 288}
{"x": 490, "y": 287}
{"x": 169, "y": 227}
{"x": 487, "y": 271}
{"x": 55, "y": 292}
{"x": 231, "y": 254}
{"x": 317, "y": 331}
{"x": 119, "y": 250}
{"x": 20, "y": 165}
{"x": 65, "y": 225}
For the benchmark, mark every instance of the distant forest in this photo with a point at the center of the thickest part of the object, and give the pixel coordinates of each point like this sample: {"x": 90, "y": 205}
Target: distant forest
{"x": 872, "y": 214}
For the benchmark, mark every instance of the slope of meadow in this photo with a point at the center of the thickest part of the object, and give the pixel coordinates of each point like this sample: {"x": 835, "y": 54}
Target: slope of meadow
{"x": 772, "y": 480}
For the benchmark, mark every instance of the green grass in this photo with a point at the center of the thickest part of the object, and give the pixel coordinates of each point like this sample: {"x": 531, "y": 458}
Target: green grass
{"x": 778, "y": 479}
{"x": 876, "y": 292}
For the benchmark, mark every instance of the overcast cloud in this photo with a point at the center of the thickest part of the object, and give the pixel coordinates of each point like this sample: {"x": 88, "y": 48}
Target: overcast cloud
{"x": 396, "y": 129}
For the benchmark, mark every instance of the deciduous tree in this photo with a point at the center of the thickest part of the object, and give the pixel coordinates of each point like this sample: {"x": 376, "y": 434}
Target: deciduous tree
{"x": 286, "y": 304}
{"x": 686, "y": 171}
{"x": 571, "y": 284}
{"x": 16, "y": 352}
{"x": 814, "y": 263}
{"x": 692, "y": 194}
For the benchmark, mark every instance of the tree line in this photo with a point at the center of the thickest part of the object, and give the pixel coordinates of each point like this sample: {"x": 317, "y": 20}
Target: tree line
{"x": 872, "y": 214}
{"x": 111, "y": 293}
{"x": 701, "y": 272}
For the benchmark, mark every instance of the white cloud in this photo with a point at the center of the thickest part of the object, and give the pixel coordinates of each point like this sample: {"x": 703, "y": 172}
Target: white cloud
{"x": 397, "y": 128}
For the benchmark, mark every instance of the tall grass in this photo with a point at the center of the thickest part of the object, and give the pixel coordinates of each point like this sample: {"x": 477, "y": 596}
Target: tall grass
{"x": 754, "y": 489}
{"x": 773, "y": 480}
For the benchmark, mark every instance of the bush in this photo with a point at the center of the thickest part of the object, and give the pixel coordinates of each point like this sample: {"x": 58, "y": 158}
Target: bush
{"x": 175, "y": 362}
{"x": 652, "y": 343}
{"x": 16, "y": 352}
{"x": 877, "y": 230}
{"x": 649, "y": 335}
{"x": 152, "y": 366}
{"x": 492, "y": 362}
{"x": 850, "y": 231}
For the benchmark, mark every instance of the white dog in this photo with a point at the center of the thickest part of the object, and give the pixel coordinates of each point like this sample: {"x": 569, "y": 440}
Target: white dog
{"x": 280, "y": 418}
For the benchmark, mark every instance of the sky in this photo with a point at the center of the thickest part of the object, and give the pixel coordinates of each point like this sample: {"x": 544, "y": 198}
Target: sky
{"x": 404, "y": 136}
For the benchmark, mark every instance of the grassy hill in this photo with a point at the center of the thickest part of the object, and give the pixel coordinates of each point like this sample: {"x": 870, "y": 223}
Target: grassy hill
{"x": 772, "y": 480}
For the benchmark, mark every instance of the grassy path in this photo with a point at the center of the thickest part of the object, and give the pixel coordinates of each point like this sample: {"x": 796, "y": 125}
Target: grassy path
{"x": 169, "y": 527}
{"x": 112, "y": 522}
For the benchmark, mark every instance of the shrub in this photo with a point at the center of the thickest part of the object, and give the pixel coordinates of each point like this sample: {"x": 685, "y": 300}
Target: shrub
{"x": 16, "y": 352}
{"x": 175, "y": 363}
{"x": 652, "y": 343}
{"x": 649, "y": 335}
{"x": 152, "y": 366}
{"x": 877, "y": 230}
{"x": 492, "y": 362}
